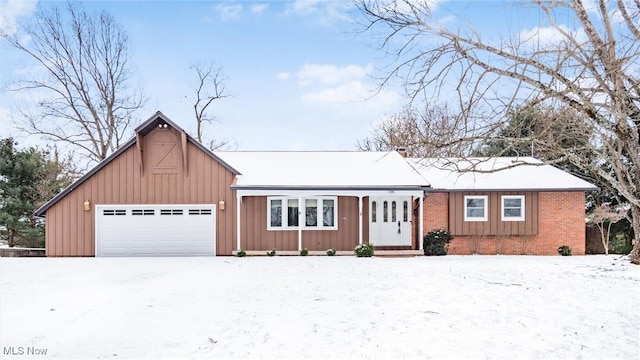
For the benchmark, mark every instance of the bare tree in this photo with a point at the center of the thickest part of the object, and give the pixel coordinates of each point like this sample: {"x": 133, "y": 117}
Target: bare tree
{"x": 81, "y": 85}
{"x": 209, "y": 87}
{"x": 604, "y": 216}
{"x": 419, "y": 132}
{"x": 591, "y": 68}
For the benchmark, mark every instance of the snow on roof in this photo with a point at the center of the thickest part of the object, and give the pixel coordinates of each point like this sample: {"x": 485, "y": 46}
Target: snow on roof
{"x": 322, "y": 169}
{"x": 503, "y": 173}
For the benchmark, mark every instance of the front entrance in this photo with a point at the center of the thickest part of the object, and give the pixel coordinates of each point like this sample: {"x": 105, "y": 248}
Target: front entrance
{"x": 390, "y": 220}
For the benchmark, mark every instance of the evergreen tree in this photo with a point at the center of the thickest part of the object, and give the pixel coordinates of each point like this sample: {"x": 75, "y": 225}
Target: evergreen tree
{"x": 28, "y": 178}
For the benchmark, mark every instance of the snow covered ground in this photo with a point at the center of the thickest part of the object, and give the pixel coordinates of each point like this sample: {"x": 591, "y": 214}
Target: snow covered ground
{"x": 455, "y": 307}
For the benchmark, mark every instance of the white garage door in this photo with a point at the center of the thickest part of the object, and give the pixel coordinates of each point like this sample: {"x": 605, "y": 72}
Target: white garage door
{"x": 155, "y": 230}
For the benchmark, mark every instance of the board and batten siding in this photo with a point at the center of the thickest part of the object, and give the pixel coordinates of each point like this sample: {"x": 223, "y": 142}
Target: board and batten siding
{"x": 256, "y": 237}
{"x": 494, "y": 224}
{"x": 70, "y": 231}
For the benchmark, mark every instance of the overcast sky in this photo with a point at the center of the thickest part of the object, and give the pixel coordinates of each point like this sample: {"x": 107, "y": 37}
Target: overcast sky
{"x": 301, "y": 75}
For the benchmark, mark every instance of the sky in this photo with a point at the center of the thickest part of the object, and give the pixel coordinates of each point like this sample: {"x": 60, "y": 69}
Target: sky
{"x": 301, "y": 74}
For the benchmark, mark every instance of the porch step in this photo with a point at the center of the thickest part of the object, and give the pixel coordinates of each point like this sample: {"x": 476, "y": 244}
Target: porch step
{"x": 398, "y": 253}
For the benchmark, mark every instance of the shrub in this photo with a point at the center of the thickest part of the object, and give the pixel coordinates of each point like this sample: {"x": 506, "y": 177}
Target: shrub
{"x": 564, "y": 250}
{"x": 436, "y": 242}
{"x": 271, "y": 252}
{"x": 331, "y": 252}
{"x": 241, "y": 253}
{"x": 304, "y": 252}
{"x": 364, "y": 250}
{"x": 621, "y": 244}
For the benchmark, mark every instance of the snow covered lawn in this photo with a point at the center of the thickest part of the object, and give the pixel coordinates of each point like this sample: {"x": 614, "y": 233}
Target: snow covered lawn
{"x": 481, "y": 307}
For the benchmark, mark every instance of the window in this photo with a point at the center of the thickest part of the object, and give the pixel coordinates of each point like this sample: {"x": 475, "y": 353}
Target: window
{"x": 329, "y": 212}
{"x": 199, "y": 212}
{"x": 393, "y": 211}
{"x": 292, "y": 212}
{"x": 374, "y": 211}
{"x": 405, "y": 211}
{"x": 320, "y": 212}
{"x": 475, "y": 208}
{"x": 275, "y": 213}
{"x": 311, "y": 212}
{"x": 513, "y": 208}
{"x": 385, "y": 212}
{"x": 114, "y": 212}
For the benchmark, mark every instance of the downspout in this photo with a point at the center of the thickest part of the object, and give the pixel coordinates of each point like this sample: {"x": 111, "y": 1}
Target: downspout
{"x": 300, "y": 223}
{"x": 360, "y": 219}
{"x": 421, "y": 221}
{"x": 238, "y": 212}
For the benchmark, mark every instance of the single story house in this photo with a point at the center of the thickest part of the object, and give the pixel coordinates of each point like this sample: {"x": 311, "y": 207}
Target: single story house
{"x": 164, "y": 194}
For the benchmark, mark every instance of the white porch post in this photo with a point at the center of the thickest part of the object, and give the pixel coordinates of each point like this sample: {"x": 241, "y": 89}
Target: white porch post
{"x": 420, "y": 222}
{"x": 238, "y": 212}
{"x": 300, "y": 219}
{"x": 360, "y": 219}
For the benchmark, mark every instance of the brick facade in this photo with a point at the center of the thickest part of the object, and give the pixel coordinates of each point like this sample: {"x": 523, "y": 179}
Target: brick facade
{"x": 561, "y": 222}
{"x": 436, "y": 211}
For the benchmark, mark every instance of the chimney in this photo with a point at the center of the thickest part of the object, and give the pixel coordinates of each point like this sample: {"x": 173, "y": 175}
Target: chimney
{"x": 402, "y": 151}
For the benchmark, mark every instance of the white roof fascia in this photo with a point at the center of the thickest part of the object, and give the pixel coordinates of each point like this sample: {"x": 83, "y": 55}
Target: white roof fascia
{"x": 304, "y": 193}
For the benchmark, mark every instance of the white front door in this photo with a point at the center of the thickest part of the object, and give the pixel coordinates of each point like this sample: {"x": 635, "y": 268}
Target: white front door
{"x": 156, "y": 230}
{"x": 390, "y": 220}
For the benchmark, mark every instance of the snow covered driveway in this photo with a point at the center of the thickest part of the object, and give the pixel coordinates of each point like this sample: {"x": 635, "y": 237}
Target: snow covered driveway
{"x": 481, "y": 307}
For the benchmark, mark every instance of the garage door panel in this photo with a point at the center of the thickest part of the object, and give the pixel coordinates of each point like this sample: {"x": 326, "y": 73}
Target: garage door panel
{"x": 155, "y": 230}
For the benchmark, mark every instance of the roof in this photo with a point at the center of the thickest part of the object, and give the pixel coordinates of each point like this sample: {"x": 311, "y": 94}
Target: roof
{"x": 497, "y": 174}
{"x": 143, "y": 129}
{"x": 323, "y": 170}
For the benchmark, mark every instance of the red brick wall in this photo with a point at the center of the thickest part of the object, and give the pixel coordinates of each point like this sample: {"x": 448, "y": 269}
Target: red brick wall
{"x": 561, "y": 222}
{"x": 436, "y": 211}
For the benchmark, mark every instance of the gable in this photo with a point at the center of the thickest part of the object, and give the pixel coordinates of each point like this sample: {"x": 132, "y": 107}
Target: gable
{"x": 163, "y": 150}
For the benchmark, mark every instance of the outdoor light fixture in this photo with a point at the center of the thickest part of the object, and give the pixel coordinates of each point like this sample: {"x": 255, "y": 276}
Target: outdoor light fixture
{"x": 221, "y": 205}
{"x": 87, "y": 205}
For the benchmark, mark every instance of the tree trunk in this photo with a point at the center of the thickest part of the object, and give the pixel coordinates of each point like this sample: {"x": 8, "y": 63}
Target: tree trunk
{"x": 12, "y": 236}
{"x": 603, "y": 238}
{"x": 608, "y": 238}
{"x": 635, "y": 222}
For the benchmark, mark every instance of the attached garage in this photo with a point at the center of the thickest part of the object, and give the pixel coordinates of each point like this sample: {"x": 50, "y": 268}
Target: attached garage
{"x": 155, "y": 230}
{"x": 160, "y": 194}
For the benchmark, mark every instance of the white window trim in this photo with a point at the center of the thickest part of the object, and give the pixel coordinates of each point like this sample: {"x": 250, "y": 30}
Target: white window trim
{"x": 302, "y": 214}
{"x": 485, "y": 217}
{"x": 522, "y": 207}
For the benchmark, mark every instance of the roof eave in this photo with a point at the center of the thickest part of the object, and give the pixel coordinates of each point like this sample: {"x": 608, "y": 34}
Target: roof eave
{"x": 328, "y": 187}
{"x": 559, "y": 189}
{"x": 41, "y": 210}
